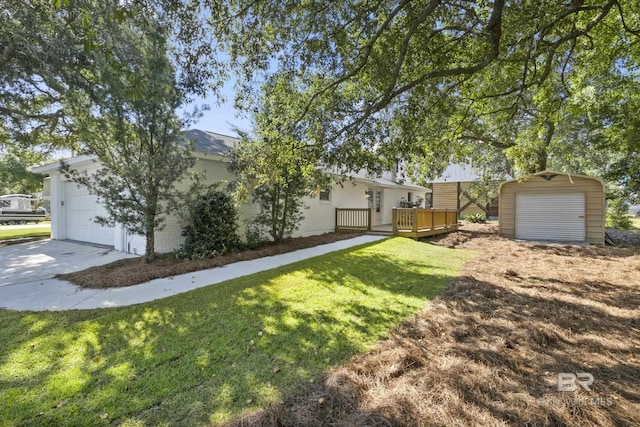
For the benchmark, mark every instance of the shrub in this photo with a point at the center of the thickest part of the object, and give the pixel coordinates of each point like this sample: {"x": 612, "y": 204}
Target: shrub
{"x": 476, "y": 218}
{"x": 404, "y": 203}
{"x": 281, "y": 206}
{"x": 254, "y": 236}
{"x": 618, "y": 215}
{"x": 211, "y": 227}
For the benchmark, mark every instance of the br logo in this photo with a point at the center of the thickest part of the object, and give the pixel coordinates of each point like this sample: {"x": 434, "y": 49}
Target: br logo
{"x": 568, "y": 381}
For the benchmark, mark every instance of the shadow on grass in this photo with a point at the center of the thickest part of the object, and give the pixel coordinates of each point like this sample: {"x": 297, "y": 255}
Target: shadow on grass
{"x": 487, "y": 354}
{"x": 210, "y": 354}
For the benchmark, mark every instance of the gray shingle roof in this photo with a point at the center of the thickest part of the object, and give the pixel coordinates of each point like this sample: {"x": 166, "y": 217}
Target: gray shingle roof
{"x": 210, "y": 142}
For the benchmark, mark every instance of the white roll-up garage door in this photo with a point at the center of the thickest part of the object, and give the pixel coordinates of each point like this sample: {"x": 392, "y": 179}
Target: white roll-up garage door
{"x": 80, "y": 209}
{"x": 557, "y": 216}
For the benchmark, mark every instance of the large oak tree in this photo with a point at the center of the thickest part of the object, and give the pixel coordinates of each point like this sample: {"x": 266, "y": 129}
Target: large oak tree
{"x": 426, "y": 80}
{"x": 100, "y": 77}
{"x": 422, "y": 81}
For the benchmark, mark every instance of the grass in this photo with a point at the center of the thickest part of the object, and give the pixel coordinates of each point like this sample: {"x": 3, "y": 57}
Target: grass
{"x": 489, "y": 349}
{"x": 21, "y": 233}
{"x": 212, "y": 354}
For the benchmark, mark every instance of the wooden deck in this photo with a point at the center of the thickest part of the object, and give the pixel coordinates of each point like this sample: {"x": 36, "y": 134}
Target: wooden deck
{"x": 407, "y": 222}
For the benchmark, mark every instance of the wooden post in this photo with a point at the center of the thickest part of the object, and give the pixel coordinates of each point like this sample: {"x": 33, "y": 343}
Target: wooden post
{"x": 433, "y": 219}
{"x": 394, "y": 221}
{"x": 336, "y": 220}
{"x": 370, "y": 223}
{"x": 414, "y": 222}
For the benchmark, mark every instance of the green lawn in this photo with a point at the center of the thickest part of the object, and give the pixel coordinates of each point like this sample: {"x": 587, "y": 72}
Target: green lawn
{"x": 20, "y": 233}
{"x": 210, "y": 354}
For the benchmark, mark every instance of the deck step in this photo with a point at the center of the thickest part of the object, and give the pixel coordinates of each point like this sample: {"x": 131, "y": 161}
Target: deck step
{"x": 380, "y": 233}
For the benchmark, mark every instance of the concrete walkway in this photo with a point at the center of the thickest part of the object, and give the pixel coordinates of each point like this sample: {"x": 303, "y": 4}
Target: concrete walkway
{"x": 56, "y": 295}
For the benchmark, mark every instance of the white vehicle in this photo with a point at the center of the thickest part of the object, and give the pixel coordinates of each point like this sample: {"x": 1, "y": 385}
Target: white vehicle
{"x": 19, "y": 209}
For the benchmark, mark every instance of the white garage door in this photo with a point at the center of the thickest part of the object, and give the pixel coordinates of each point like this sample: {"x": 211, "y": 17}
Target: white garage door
{"x": 558, "y": 217}
{"x": 80, "y": 209}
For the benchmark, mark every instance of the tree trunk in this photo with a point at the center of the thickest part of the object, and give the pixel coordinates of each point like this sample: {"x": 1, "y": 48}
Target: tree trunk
{"x": 150, "y": 229}
{"x": 149, "y": 251}
{"x": 543, "y": 154}
{"x": 285, "y": 207}
{"x": 275, "y": 206}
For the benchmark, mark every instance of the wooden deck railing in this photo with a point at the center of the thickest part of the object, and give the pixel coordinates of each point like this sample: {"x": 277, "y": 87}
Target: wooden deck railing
{"x": 354, "y": 219}
{"x": 407, "y": 222}
{"x": 415, "y": 222}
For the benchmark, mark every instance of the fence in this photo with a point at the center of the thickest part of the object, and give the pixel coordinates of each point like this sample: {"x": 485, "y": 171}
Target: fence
{"x": 348, "y": 219}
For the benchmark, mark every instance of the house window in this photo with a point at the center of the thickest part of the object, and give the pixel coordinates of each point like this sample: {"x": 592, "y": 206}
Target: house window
{"x": 410, "y": 197}
{"x": 325, "y": 195}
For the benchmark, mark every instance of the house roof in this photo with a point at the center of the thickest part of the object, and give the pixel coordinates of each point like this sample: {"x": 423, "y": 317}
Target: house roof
{"x": 204, "y": 142}
{"x": 76, "y": 161}
{"x": 211, "y": 142}
{"x": 215, "y": 143}
{"x": 464, "y": 172}
{"x": 457, "y": 173}
{"x": 387, "y": 183}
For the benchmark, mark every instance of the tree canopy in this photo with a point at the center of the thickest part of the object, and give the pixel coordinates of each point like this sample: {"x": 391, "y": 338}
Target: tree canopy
{"x": 49, "y": 50}
{"x": 524, "y": 83}
{"x": 15, "y": 174}
{"x": 125, "y": 113}
{"x": 427, "y": 80}
{"x": 275, "y": 167}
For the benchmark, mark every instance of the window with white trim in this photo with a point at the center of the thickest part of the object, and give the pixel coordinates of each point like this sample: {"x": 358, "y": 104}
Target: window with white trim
{"x": 325, "y": 195}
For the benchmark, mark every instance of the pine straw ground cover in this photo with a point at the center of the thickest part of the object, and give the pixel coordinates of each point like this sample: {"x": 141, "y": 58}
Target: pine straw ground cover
{"x": 132, "y": 271}
{"x": 488, "y": 351}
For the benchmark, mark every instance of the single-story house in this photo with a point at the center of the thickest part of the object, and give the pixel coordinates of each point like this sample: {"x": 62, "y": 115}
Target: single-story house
{"x": 73, "y": 208}
{"x": 459, "y": 188}
{"x": 553, "y": 206}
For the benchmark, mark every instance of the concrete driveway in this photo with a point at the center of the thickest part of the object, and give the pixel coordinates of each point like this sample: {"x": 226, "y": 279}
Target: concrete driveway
{"x": 43, "y": 259}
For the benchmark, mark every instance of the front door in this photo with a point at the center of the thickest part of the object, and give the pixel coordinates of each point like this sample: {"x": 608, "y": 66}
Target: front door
{"x": 375, "y": 203}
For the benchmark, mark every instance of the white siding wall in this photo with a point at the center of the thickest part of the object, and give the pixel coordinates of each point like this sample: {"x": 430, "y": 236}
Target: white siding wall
{"x": 58, "y": 224}
{"x": 392, "y": 198}
{"x": 320, "y": 216}
{"x": 170, "y": 237}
